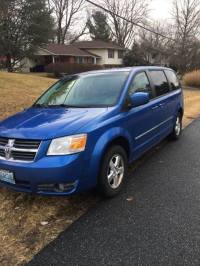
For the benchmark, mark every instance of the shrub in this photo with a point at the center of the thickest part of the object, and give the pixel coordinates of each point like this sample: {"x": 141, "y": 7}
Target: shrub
{"x": 192, "y": 78}
{"x": 64, "y": 68}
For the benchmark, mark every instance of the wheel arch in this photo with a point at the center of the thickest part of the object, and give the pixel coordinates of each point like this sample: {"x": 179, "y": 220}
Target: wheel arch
{"x": 115, "y": 136}
{"x": 121, "y": 141}
{"x": 181, "y": 111}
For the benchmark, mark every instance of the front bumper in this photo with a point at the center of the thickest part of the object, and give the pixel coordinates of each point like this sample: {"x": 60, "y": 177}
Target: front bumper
{"x": 46, "y": 174}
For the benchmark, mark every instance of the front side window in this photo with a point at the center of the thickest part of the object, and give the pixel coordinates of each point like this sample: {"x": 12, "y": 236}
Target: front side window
{"x": 111, "y": 53}
{"x": 160, "y": 82}
{"x": 173, "y": 80}
{"x": 95, "y": 90}
{"x": 140, "y": 84}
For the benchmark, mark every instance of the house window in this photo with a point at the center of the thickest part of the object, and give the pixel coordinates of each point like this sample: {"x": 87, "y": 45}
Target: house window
{"x": 120, "y": 54}
{"x": 80, "y": 60}
{"x": 111, "y": 53}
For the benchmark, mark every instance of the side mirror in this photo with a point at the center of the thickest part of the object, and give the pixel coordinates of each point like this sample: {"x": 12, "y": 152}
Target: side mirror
{"x": 139, "y": 98}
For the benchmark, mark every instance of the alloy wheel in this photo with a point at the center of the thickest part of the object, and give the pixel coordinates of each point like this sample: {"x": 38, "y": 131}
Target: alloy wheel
{"x": 115, "y": 171}
{"x": 178, "y": 126}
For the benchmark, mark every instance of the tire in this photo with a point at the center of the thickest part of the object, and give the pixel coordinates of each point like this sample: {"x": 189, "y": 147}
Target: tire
{"x": 177, "y": 129}
{"x": 113, "y": 171}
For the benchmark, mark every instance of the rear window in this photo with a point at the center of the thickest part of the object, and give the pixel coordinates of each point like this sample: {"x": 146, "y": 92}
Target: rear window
{"x": 173, "y": 80}
{"x": 160, "y": 82}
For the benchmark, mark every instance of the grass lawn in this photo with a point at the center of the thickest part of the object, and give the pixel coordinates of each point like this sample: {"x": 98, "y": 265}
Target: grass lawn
{"x": 27, "y": 222}
{"x": 18, "y": 91}
{"x": 192, "y": 105}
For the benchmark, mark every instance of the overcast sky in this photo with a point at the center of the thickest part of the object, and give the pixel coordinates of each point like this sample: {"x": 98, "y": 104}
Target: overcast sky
{"x": 160, "y": 9}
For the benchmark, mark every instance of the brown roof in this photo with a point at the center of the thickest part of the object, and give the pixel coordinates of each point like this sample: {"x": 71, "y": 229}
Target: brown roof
{"x": 97, "y": 44}
{"x": 62, "y": 49}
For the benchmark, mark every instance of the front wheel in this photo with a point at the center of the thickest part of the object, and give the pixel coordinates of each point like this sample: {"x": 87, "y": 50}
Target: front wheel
{"x": 113, "y": 171}
{"x": 177, "y": 129}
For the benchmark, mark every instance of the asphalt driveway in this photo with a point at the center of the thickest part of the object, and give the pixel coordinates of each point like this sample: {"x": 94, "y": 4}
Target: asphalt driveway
{"x": 155, "y": 221}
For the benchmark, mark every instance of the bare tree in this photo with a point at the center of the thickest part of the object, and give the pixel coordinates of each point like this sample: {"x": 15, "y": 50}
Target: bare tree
{"x": 150, "y": 48}
{"x": 186, "y": 15}
{"x": 155, "y": 46}
{"x": 67, "y": 15}
{"x": 123, "y": 32}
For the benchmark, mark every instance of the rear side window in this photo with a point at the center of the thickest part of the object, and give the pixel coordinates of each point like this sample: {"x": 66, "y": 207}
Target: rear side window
{"x": 173, "y": 80}
{"x": 140, "y": 84}
{"x": 160, "y": 82}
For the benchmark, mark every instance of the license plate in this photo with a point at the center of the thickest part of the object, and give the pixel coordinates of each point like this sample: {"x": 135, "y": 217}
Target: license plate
{"x": 7, "y": 176}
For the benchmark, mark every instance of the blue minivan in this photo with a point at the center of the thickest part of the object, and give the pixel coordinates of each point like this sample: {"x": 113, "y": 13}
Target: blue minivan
{"x": 85, "y": 130}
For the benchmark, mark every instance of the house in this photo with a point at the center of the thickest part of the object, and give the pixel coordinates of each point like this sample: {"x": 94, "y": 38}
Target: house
{"x": 110, "y": 54}
{"x": 97, "y": 52}
{"x": 2, "y": 61}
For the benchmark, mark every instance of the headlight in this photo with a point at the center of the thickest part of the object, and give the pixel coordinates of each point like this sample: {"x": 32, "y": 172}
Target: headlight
{"x": 67, "y": 145}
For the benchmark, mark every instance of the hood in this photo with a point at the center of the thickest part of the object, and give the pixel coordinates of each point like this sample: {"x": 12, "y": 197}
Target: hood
{"x": 47, "y": 123}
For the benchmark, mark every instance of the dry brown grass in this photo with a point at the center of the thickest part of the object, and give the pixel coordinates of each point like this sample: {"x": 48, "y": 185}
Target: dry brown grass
{"x": 18, "y": 91}
{"x": 21, "y": 233}
{"x": 192, "y": 105}
{"x": 192, "y": 79}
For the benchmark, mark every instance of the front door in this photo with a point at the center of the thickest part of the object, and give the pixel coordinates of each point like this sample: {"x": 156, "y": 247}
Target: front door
{"x": 142, "y": 122}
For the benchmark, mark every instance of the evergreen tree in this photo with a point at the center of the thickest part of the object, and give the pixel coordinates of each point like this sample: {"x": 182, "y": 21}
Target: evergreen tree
{"x": 98, "y": 27}
{"x": 24, "y": 25}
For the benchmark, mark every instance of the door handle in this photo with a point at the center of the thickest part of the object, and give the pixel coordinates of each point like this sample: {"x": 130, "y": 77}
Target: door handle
{"x": 161, "y": 104}
{"x": 155, "y": 107}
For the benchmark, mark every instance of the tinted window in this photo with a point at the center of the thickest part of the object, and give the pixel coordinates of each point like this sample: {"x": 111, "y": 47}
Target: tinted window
{"x": 85, "y": 91}
{"x": 173, "y": 80}
{"x": 140, "y": 84}
{"x": 160, "y": 81}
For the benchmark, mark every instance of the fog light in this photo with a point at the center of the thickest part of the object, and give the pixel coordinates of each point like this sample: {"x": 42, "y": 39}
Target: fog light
{"x": 59, "y": 187}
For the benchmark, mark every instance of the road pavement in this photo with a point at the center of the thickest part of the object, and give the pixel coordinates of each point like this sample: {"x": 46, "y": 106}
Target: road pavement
{"x": 154, "y": 221}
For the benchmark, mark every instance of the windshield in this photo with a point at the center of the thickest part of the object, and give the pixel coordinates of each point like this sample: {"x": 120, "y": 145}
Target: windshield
{"x": 85, "y": 91}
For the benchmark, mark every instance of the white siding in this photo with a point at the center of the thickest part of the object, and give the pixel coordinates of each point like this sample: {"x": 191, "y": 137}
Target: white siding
{"x": 104, "y": 57}
{"x": 41, "y": 51}
{"x": 26, "y": 64}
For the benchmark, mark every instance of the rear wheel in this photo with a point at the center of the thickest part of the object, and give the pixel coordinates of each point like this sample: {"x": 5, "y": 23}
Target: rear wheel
{"x": 113, "y": 171}
{"x": 177, "y": 129}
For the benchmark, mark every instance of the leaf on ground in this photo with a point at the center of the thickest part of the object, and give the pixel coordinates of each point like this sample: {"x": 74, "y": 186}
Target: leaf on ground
{"x": 129, "y": 199}
{"x": 44, "y": 223}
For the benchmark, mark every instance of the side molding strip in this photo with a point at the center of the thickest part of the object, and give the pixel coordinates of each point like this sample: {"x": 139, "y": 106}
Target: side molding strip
{"x": 145, "y": 133}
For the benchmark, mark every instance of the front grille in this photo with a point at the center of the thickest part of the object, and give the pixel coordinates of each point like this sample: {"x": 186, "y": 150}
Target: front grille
{"x": 26, "y": 144}
{"x": 23, "y": 185}
{"x": 23, "y": 156}
{"x": 20, "y": 184}
{"x": 3, "y": 141}
{"x": 18, "y": 149}
{"x": 2, "y": 153}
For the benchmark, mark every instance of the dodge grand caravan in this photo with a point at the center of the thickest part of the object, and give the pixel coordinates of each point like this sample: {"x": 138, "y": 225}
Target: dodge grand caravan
{"x": 84, "y": 130}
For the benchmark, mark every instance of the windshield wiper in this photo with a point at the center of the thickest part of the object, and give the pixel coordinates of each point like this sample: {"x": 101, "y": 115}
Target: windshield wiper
{"x": 49, "y": 105}
{"x": 64, "y": 106}
{"x": 40, "y": 105}
{"x": 57, "y": 105}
